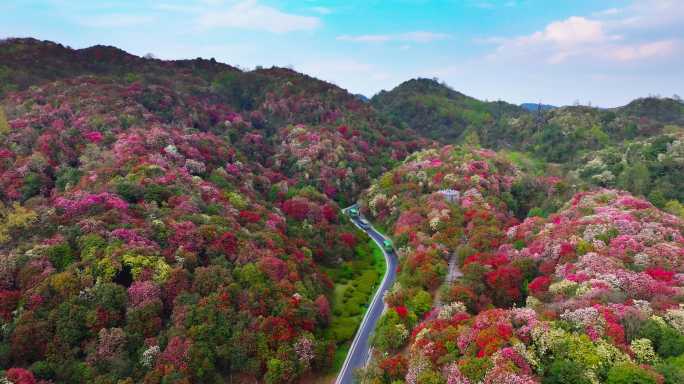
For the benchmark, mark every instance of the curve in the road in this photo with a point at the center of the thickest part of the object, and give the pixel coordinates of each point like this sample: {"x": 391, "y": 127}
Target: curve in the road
{"x": 359, "y": 351}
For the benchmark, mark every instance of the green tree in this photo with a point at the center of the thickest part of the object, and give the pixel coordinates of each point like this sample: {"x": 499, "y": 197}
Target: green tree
{"x": 391, "y": 333}
{"x": 4, "y": 126}
{"x": 471, "y": 138}
{"x": 564, "y": 371}
{"x": 33, "y": 182}
{"x": 475, "y": 368}
{"x": 635, "y": 178}
{"x": 240, "y": 89}
{"x": 67, "y": 177}
{"x": 672, "y": 370}
{"x": 629, "y": 373}
{"x": 421, "y": 302}
{"x": 110, "y": 296}
{"x": 70, "y": 322}
{"x": 675, "y": 207}
{"x": 60, "y": 256}
{"x": 279, "y": 371}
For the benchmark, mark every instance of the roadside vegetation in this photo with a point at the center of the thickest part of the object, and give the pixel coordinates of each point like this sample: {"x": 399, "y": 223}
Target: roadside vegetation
{"x": 355, "y": 282}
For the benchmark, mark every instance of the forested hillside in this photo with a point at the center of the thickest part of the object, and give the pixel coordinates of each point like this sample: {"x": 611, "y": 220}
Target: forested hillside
{"x": 589, "y": 294}
{"x": 558, "y": 280}
{"x": 172, "y": 221}
{"x": 632, "y": 147}
{"x": 180, "y": 222}
{"x": 442, "y": 113}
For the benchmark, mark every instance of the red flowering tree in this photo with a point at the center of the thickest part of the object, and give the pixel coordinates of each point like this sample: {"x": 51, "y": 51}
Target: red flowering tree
{"x": 297, "y": 208}
{"x": 504, "y": 285}
{"x": 323, "y": 308}
{"x": 8, "y": 303}
{"x": 20, "y": 376}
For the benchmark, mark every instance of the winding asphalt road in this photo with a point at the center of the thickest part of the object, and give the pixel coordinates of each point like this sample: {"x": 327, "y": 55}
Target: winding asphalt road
{"x": 360, "y": 350}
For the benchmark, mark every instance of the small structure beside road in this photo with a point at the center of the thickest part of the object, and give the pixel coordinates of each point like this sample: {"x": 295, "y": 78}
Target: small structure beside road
{"x": 451, "y": 195}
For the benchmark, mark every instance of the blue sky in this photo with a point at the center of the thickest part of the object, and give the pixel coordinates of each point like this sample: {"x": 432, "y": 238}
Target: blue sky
{"x": 604, "y": 52}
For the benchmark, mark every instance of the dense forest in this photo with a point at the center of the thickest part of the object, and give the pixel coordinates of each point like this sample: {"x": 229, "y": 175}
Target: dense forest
{"x": 634, "y": 147}
{"x": 180, "y": 222}
{"x": 174, "y": 221}
{"x": 583, "y": 291}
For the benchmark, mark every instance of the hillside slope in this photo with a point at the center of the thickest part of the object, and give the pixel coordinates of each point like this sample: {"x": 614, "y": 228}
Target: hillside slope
{"x": 440, "y": 112}
{"x": 555, "y": 134}
{"x": 172, "y": 221}
{"x": 633, "y": 147}
{"x": 592, "y": 293}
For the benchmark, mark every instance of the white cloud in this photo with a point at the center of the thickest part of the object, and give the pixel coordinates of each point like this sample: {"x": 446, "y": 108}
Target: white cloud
{"x": 615, "y": 35}
{"x": 648, "y": 14}
{"x": 115, "y": 20}
{"x": 411, "y": 37}
{"x": 249, "y": 14}
{"x": 642, "y": 51}
{"x": 572, "y": 31}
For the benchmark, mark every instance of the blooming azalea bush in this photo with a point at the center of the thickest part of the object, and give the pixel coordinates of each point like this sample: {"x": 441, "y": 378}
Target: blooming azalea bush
{"x": 606, "y": 250}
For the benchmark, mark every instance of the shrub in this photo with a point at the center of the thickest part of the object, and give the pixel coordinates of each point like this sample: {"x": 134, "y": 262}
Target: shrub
{"x": 157, "y": 192}
{"x": 629, "y": 373}
{"x": 474, "y": 276}
{"x": 429, "y": 376}
{"x": 390, "y": 333}
{"x": 18, "y": 218}
{"x": 537, "y": 212}
{"x": 563, "y": 371}
{"x": 4, "y": 126}
{"x": 42, "y": 370}
{"x": 33, "y": 183}
{"x": 20, "y": 376}
{"x": 463, "y": 252}
{"x": 519, "y": 244}
{"x": 671, "y": 343}
{"x": 504, "y": 283}
{"x": 279, "y": 371}
{"x": 666, "y": 340}
{"x": 8, "y": 303}
{"x": 60, "y": 256}
{"x": 539, "y": 285}
{"x": 672, "y": 370}
{"x": 421, "y": 302}
{"x": 475, "y": 368}
{"x": 130, "y": 192}
{"x": 651, "y": 330}
{"x": 67, "y": 177}
{"x": 343, "y": 329}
